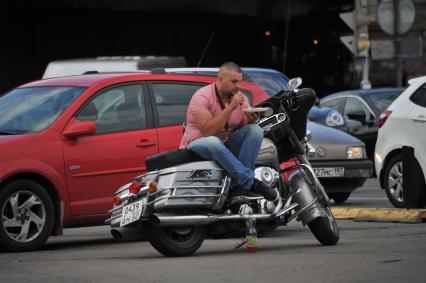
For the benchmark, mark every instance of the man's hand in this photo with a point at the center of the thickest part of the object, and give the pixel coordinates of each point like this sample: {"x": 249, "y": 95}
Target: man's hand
{"x": 252, "y": 117}
{"x": 237, "y": 100}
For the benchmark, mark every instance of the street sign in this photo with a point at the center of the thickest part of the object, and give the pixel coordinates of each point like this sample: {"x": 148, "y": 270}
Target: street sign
{"x": 357, "y": 20}
{"x": 348, "y": 41}
{"x": 385, "y": 15}
{"x": 382, "y": 49}
{"x": 348, "y": 18}
{"x": 411, "y": 47}
{"x": 385, "y": 48}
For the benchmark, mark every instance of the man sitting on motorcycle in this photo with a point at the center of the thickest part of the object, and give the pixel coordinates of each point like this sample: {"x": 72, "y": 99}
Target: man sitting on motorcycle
{"x": 218, "y": 129}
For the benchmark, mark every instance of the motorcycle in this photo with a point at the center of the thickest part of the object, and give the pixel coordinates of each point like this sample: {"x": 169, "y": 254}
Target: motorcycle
{"x": 182, "y": 198}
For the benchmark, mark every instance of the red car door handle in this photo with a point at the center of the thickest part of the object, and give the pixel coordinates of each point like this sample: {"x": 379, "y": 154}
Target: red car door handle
{"x": 145, "y": 143}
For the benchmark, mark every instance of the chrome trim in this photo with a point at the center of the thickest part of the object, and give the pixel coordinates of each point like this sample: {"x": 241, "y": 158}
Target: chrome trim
{"x": 172, "y": 194}
{"x": 223, "y": 194}
{"x": 203, "y": 219}
{"x": 285, "y": 209}
{"x": 303, "y": 209}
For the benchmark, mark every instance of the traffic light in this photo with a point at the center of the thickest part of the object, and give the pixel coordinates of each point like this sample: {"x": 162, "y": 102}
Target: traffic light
{"x": 357, "y": 20}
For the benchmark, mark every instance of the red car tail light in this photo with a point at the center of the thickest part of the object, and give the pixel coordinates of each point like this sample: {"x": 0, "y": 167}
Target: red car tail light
{"x": 383, "y": 117}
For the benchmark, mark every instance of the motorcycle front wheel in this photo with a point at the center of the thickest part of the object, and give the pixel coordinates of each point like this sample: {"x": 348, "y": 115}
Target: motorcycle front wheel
{"x": 325, "y": 228}
{"x": 176, "y": 241}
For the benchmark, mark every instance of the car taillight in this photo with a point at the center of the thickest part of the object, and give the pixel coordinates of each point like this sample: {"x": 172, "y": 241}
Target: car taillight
{"x": 383, "y": 117}
{"x": 135, "y": 188}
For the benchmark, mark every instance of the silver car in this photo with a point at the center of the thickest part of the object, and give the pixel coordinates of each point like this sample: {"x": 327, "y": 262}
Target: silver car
{"x": 339, "y": 160}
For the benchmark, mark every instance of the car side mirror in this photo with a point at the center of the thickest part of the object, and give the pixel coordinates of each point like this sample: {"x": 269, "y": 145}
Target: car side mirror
{"x": 78, "y": 129}
{"x": 357, "y": 115}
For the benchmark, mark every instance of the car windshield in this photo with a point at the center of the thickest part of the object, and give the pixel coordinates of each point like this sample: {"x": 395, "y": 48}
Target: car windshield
{"x": 271, "y": 83}
{"x": 33, "y": 109}
{"x": 381, "y": 100}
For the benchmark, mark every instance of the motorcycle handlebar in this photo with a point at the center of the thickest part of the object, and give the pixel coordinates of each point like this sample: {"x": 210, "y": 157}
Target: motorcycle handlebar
{"x": 292, "y": 98}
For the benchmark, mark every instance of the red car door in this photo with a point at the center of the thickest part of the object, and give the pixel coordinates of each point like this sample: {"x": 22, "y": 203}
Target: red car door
{"x": 171, "y": 100}
{"x": 97, "y": 165}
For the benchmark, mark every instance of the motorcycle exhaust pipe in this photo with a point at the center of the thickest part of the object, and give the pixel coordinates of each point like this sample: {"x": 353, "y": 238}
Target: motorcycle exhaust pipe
{"x": 128, "y": 234}
{"x": 116, "y": 235}
{"x": 181, "y": 220}
{"x": 161, "y": 219}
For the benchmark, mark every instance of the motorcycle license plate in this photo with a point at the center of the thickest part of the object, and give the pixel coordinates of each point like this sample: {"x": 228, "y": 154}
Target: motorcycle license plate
{"x": 131, "y": 213}
{"x": 330, "y": 172}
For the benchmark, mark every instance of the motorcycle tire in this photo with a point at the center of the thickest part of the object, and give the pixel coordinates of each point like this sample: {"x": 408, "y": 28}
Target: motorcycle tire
{"x": 325, "y": 229}
{"x": 176, "y": 241}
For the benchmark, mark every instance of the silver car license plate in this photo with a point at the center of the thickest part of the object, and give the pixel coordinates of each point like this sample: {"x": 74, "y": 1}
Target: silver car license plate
{"x": 330, "y": 172}
{"x": 131, "y": 213}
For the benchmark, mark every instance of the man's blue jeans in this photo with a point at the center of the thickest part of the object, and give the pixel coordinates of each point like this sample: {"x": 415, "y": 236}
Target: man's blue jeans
{"x": 237, "y": 156}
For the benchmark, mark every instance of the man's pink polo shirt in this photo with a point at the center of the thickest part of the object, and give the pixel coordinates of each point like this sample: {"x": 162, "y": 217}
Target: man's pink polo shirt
{"x": 205, "y": 100}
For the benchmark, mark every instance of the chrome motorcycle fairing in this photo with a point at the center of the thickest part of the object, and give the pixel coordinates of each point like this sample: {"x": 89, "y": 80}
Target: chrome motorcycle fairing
{"x": 308, "y": 207}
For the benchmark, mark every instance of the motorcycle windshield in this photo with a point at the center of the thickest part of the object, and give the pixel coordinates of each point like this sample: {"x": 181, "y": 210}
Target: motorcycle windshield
{"x": 298, "y": 113}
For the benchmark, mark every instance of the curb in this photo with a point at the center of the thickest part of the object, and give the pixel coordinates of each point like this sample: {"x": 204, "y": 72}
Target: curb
{"x": 381, "y": 214}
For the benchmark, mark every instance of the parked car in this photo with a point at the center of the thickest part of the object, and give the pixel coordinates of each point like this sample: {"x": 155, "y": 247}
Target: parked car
{"x": 402, "y": 131}
{"x": 361, "y": 110}
{"x": 340, "y": 160}
{"x": 68, "y": 143}
{"x": 72, "y": 67}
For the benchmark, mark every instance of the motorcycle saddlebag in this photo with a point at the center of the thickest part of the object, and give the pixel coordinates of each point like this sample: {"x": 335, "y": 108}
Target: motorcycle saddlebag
{"x": 201, "y": 184}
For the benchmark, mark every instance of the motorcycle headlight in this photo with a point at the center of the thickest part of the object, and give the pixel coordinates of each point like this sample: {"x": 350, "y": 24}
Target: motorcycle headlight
{"x": 334, "y": 118}
{"x": 355, "y": 152}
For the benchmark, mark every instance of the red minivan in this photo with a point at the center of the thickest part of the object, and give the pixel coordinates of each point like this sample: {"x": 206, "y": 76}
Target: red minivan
{"x": 67, "y": 144}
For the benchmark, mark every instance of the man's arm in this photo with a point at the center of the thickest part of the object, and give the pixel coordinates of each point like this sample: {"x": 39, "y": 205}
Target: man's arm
{"x": 210, "y": 126}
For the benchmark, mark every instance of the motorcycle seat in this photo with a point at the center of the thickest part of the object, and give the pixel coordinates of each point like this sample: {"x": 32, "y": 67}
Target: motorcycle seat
{"x": 171, "y": 158}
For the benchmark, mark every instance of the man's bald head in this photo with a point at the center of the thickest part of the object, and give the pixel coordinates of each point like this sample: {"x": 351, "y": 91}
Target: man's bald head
{"x": 229, "y": 79}
{"x": 228, "y": 67}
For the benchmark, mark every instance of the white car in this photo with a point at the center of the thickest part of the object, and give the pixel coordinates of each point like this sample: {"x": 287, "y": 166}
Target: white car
{"x": 402, "y": 131}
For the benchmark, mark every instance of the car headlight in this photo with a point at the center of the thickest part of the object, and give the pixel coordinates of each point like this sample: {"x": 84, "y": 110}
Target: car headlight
{"x": 334, "y": 118}
{"x": 355, "y": 152}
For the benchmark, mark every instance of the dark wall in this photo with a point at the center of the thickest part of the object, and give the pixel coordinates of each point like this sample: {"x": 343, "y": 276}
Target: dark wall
{"x": 323, "y": 65}
{"x": 33, "y": 35}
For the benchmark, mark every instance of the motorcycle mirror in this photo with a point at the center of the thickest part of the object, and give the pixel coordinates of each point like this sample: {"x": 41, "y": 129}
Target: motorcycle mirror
{"x": 294, "y": 83}
{"x": 308, "y": 134}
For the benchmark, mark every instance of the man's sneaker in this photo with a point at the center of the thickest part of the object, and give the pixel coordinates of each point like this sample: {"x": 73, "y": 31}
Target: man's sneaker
{"x": 260, "y": 188}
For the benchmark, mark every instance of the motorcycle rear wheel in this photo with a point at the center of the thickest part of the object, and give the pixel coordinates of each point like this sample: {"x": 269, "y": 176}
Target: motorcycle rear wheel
{"x": 325, "y": 228}
{"x": 176, "y": 241}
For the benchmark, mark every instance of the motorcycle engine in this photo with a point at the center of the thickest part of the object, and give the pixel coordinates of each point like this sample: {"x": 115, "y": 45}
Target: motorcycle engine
{"x": 246, "y": 205}
{"x": 267, "y": 175}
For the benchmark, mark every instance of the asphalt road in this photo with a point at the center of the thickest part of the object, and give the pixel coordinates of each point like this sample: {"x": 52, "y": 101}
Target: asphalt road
{"x": 366, "y": 252}
{"x": 370, "y": 195}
